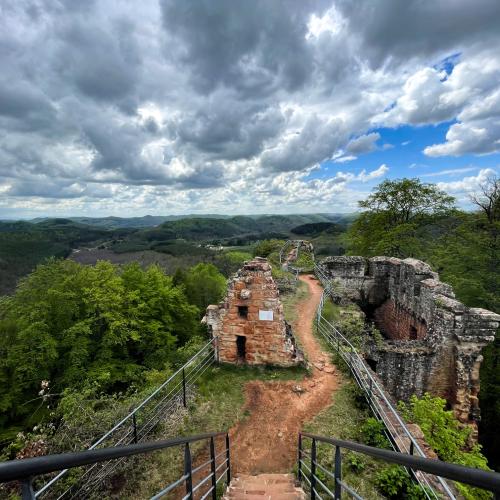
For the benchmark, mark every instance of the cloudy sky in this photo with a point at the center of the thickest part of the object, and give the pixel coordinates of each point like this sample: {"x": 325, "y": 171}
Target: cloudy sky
{"x": 263, "y": 106}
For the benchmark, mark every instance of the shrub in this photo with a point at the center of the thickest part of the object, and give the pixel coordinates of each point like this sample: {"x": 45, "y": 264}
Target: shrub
{"x": 449, "y": 439}
{"x": 394, "y": 482}
{"x": 372, "y": 433}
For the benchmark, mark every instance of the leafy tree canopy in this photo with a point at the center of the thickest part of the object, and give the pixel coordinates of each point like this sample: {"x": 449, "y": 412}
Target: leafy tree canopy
{"x": 396, "y": 217}
{"x": 406, "y": 200}
{"x": 204, "y": 285}
{"x": 71, "y": 324}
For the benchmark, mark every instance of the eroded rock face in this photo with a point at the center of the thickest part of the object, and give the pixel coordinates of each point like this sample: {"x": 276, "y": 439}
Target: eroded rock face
{"x": 432, "y": 343}
{"x": 249, "y": 323}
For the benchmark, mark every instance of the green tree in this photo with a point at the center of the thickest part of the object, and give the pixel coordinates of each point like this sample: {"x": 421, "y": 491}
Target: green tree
{"x": 71, "y": 324}
{"x": 266, "y": 247}
{"x": 204, "y": 285}
{"x": 446, "y": 436}
{"x": 395, "y": 217}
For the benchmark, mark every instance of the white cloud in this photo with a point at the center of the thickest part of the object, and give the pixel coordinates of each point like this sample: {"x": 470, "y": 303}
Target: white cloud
{"x": 363, "y": 144}
{"x": 467, "y": 184}
{"x": 452, "y": 171}
{"x": 375, "y": 174}
{"x": 225, "y": 104}
{"x": 345, "y": 159}
{"x": 470, "y": 95}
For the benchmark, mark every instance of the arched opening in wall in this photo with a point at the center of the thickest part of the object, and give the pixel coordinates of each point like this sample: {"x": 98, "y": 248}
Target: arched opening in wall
{"x": 243, "y": 312}
{"x": 241, "y": 347}
{"x": 372, "y": 364}
{"x": 413, "y": 333}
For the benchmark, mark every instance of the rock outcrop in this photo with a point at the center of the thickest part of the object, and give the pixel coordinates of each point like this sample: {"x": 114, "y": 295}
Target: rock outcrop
{"x": 249, "y": 323}
{"x": 432, "y": 343}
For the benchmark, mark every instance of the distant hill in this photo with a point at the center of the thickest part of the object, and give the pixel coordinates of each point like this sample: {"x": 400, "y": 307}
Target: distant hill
{"x": 133, "y": 222}
{"x": 316, "y": 228}
{"x": 24, "y": 244}
{"x": 205, "y": 229}
{"x": 155, "y": 220}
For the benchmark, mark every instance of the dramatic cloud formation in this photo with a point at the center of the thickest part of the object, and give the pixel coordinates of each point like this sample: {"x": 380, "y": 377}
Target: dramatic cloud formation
{"x": 171, "y": 106}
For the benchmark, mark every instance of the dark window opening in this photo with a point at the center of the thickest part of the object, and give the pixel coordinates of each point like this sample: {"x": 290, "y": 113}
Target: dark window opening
{"x": 243, "y": 311}
{"x": 413, "y": 333}
{"x": 241, "y": 347}
{"x": 372, "y": 364}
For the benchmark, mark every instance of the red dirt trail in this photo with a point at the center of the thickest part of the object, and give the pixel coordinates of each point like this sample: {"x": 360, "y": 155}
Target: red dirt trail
{"x": 266, "y": 441}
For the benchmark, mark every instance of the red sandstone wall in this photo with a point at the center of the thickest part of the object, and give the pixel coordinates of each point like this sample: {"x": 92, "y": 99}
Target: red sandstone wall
{"x": 265, "y": 340}
{"x": 397, "y": 323}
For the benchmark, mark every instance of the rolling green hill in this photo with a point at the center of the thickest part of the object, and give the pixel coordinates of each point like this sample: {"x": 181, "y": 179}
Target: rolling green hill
{"x": 24, "y": 244}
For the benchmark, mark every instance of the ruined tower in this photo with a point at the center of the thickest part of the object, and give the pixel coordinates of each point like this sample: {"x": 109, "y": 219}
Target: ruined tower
{"x": 432, "y": 342}
{"x": 249, "y": 323}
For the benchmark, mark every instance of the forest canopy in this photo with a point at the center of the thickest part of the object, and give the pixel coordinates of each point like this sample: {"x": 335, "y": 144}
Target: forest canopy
{"x": 72, "y": 325}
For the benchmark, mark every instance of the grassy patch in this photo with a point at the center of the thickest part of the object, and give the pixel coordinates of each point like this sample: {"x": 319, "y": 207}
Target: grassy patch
{"x": 331, "y": 311}
{"x": 343, "y": 420}
{"x": 291, "y": 300}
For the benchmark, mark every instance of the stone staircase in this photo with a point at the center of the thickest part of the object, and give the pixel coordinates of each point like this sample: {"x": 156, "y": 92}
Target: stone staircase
{"x": 264, "y": 487}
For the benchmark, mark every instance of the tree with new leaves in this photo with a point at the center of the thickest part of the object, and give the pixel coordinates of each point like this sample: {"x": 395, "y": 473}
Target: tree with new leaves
{"x": 73, "y": 325}
{"x": 395, "y": 217}
{"x": 204, "y": 285}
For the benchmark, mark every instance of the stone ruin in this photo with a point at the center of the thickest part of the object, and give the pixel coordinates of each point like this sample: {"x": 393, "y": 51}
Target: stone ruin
{"x": 249, "y": 323}
{"x": 432, "y": 342}
{"x": 296, "y": 247}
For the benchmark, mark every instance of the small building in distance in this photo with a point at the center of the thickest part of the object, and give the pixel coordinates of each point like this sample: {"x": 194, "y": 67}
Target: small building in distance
{"x": 249, "y": 323}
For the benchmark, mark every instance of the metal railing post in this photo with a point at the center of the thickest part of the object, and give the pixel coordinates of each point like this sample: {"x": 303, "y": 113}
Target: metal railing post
{"x": 228, "y": 459}
{"x": 299, "y": 464}
{"x": 313, "y": 469}
{"x": 184, "y": 388}
{"x": 134, "y": 421}
{"x": 27, "y": 491}
{"x": 338, "y": 473}
{"x": 188, "y": 471}
{"x": 212, "y": 469}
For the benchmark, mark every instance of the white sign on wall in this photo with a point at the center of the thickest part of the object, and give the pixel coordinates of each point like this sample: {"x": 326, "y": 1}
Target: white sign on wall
{"x": 266, "y": 315}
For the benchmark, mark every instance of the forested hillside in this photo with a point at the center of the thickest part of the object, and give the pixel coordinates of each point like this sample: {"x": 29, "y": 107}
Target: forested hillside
{"x": 25, "y": 244}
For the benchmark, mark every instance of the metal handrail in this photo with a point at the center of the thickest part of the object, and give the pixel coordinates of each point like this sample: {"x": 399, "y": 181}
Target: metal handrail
{"x": 486, "y": 480}
{"x": 25, "y": 470}
{"x": 380, "y": 405}
{"x": 180, "y": 379}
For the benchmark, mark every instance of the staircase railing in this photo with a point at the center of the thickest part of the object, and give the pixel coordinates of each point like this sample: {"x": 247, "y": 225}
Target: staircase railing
{"x": 173, "y": 394}
{"x": 334, "y": 485}
{"x": 25, "y": 470}
{"x": 399, "y": 435}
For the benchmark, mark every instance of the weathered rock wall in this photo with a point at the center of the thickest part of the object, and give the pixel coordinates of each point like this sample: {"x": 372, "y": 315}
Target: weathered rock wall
{"x": 433, "y": 341}
{"x": 249, "y": 323}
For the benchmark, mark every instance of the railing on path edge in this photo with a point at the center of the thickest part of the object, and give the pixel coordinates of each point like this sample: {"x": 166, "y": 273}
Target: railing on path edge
{"x": 399, "y": 435}
{"x": 475, "y": 477}
{"x": 174, "y": 393}
{"x": 25, "y": 470}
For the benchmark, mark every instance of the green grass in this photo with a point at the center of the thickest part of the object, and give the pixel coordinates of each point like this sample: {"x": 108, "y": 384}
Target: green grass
{"x": 291, "y": 300}
{"x": 331, "y": 311}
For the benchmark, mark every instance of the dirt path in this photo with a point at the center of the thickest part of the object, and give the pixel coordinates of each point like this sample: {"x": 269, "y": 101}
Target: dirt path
{"x": 266, "y": 441}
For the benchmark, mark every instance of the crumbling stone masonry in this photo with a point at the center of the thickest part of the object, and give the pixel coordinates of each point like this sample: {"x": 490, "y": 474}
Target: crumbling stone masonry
{"x": 432, "y": 343}
{"x": 249, "y": 323}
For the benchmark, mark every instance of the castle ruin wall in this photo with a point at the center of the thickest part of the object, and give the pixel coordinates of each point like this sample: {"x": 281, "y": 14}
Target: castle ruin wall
{"x": 432, "y": 343}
